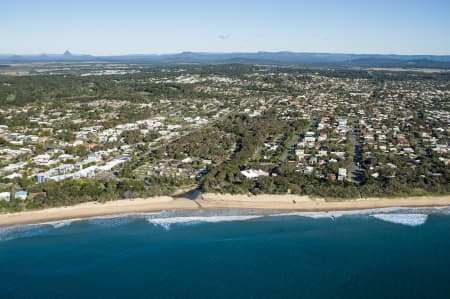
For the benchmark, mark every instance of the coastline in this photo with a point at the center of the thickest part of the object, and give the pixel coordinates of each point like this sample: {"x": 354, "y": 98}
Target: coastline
{"x": 96, "y": 209}
{"x": 214, "y": 201}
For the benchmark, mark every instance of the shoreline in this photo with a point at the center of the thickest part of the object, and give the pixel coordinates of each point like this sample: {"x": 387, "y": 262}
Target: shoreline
{"x": 96, "y": 209}
{"x": 214, "y": 201}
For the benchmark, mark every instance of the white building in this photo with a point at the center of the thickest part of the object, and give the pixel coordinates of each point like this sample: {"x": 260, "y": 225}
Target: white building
{"x": 5, "y": 196}
{"x": 342, "y": 174}
{"x": 13, "y": 176}
{"x": 252, "y": 173}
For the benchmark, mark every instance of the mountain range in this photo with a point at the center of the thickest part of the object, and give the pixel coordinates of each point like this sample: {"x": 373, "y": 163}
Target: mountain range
{"x": 276, "y": 58}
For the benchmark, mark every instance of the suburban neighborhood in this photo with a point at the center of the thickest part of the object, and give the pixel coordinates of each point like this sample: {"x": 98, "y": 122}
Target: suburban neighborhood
{"x": 182, "y": 123}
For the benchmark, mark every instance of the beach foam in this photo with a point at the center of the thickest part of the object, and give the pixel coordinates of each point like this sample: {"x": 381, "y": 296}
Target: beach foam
{"x": 314, "y": 215}
{"x": 31, "y": 230}
{"x": 337, "y": 214}
{"x": 61, "y": 223}
{"x": 167, "y": 222}
{"x": 118, "y": 219}
{"x": 25, "y": 231}
{"x": 404, "y": 219}
{"x": 398, "y": 215}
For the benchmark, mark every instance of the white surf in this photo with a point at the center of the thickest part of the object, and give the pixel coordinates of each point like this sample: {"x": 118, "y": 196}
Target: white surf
{"x": 167, "y": 222}
{"x": 404, "y": 219}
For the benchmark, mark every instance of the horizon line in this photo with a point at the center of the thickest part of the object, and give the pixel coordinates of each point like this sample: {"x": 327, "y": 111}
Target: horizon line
{"x": 224, "y": 52}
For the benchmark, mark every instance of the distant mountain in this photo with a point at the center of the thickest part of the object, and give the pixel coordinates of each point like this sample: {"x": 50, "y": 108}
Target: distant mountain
{"x": 66, "y": 56}
{"x": 401, "y": 62}
{"x": 276, "y": 58}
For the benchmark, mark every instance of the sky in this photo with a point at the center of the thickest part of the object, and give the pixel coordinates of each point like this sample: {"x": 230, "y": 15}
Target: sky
{"x": 171, "y": 26}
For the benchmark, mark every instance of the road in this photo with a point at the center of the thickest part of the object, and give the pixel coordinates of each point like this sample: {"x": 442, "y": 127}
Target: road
{"x": 355, "y": 169}
{"x": 290, "y": 146}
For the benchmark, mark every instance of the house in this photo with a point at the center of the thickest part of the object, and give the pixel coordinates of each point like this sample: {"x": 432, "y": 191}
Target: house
{"x": 308, "y": 170}
{"x": 75, "y": 142}
{"x": 43, "y": 139}
{"x": 14, "y": 166}
{"x": 312, "y": 160}
{"x": 42, "y": 177}
{"x": 13, "y": 176}
{"x": 300, "y": 154}
{"x": 310, "y": 139}
{"x": 340, "y": 155}
{"x": 5, "y": 196}
{"x": 187, "y": 160}
{"x": 369, "y": 136}
{"x": 342, "y": 174}
{"x": 323, "y": 153}
{"x": 323, "y": 136}
{"x": 403, "y": 141}
{"x": 21, "y": 195}
{"x": 252, "y": 173}
{"x": 207, "y": 161}
{"x": 65, "y": 168}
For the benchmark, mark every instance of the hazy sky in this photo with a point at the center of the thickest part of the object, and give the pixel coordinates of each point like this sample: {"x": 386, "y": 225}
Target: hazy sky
{"x": 168, "y": 26}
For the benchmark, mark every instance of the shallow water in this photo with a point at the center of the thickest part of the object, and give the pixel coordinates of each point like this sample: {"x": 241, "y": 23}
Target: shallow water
{"x": 383, "y": 253}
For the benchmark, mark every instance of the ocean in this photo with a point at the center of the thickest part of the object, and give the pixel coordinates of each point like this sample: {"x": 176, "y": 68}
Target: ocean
{"x": 384, "y": 253}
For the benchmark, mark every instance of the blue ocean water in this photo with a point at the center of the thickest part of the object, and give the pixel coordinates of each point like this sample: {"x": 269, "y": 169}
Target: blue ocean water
{"x": 232, "y": 254}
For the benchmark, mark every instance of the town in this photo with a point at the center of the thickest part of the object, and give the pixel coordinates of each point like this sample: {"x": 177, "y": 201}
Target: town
{"x": 76, "y": 132}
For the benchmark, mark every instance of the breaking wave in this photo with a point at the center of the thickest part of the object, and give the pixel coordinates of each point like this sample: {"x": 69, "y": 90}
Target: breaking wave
{"x": 167, "y": 222}
{"x": 337, "y": 214}
{"x": 31, "y": 230}
{"x": 398, "y": 215}
{"x": 165, "y": 219}
{"x": 315, "y": 215}
{"x": 118, "y": 219}
{"x": 28, "y": 231}
{"x": 61, "y": 223}
{"x": 404, "y": 219}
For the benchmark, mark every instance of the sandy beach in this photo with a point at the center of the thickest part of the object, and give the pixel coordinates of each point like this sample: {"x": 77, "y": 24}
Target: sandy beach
{"x": 93, "y": 209}
{"x": 305, "y": 203}
{"x": 215, "y": 201}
